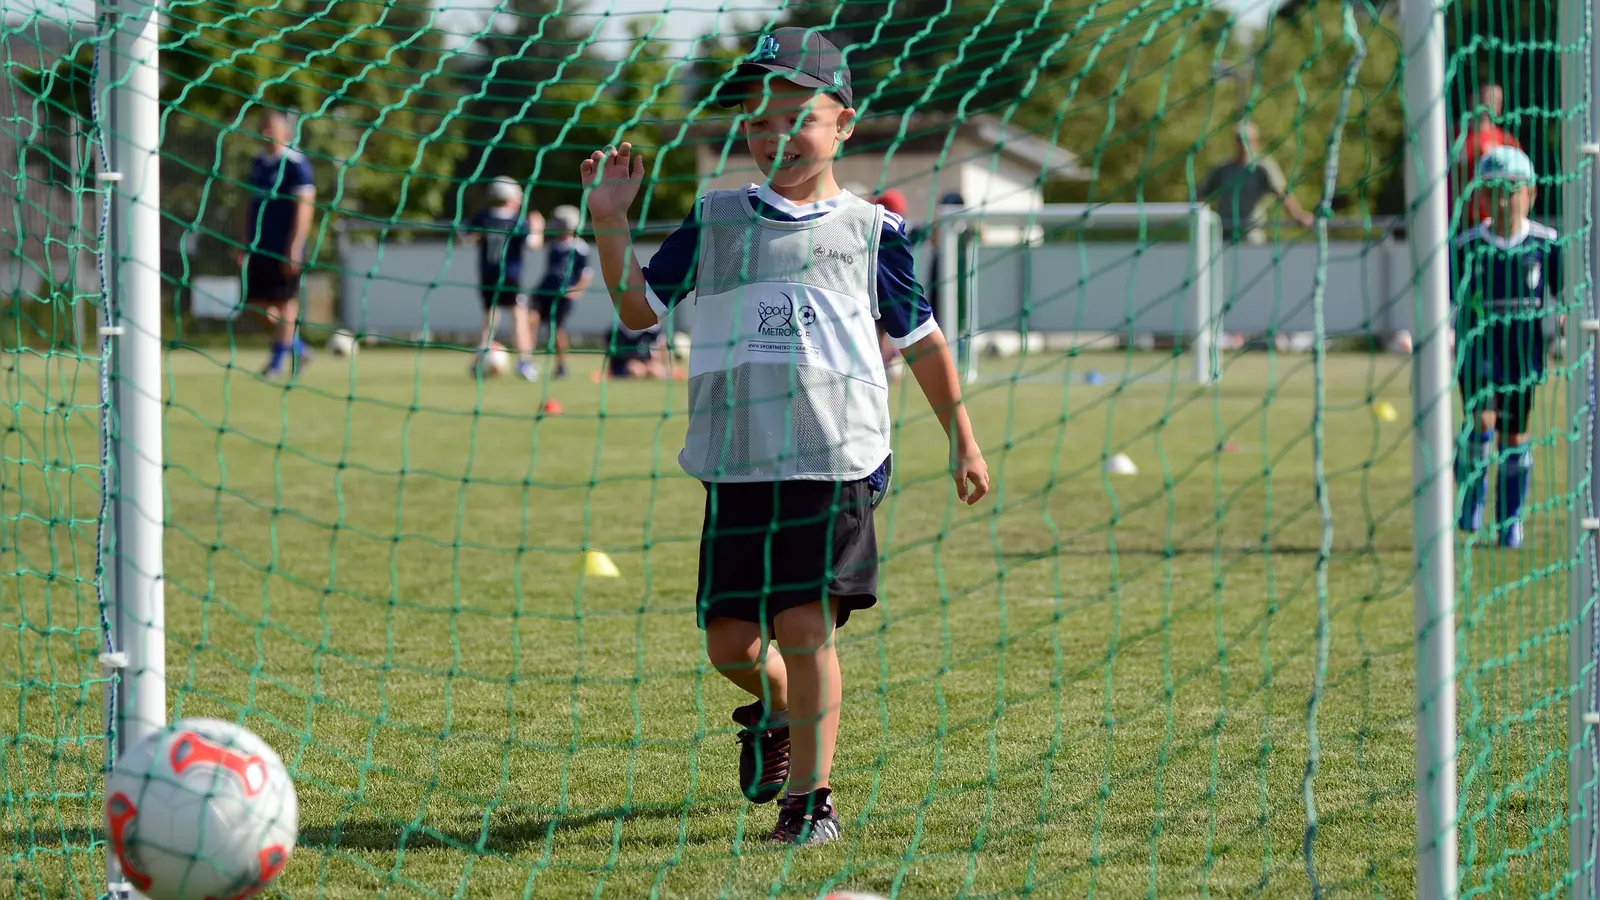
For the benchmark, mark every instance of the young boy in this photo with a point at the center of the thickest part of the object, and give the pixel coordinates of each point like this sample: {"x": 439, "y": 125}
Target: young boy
{"x": 788, "y": 402}
{"x": 1504, "y": 272}
{"x": 566, "y": 277}
{"x": 502, "y": 237}
{"x": 634, "y": 354}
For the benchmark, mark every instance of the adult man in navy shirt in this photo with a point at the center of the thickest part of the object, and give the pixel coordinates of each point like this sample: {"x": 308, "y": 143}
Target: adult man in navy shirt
{"x": 276, "y": 226}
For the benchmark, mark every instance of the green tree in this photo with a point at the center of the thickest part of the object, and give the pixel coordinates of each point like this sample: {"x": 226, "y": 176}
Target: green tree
{"x": 642, "y": 100}
{"x": 1302, "y": 59}
{"x": 520, "y": 82}
{"x": 371, "y": 83}
{"x": 1125, "y": 85}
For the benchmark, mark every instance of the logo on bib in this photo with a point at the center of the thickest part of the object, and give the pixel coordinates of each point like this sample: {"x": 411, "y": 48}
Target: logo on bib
{"x": 779, "y": 320}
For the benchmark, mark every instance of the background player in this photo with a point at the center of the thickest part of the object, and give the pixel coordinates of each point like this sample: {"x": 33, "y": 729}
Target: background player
{"x": 502, "y": 236}
{"x": 635, "y": 354}
{"x": 1503, "y": 272}
{"x": 788, "y": 547}
{"x": 276, "y": 226}
{"x": 1482, "y": 135}
{"x": 566, "y": 277}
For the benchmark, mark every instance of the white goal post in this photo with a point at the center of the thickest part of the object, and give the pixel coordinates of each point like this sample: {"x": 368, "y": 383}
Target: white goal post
{"x": 1201, "y": 276}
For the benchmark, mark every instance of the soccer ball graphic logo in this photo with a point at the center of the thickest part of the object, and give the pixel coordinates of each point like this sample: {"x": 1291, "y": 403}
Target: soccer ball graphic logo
{"x": 203, "y": 810}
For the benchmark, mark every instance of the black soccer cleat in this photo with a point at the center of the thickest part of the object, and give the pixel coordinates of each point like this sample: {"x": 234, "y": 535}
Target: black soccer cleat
{"x": 763, "y": 755}
{"x": 807, "y": 819}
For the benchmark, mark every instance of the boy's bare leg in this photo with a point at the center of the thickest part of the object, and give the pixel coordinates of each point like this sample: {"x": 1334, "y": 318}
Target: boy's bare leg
{"x": 805, "y": 638}
{"x": 522, "y": 323}
{"x": 562, "y": 344}
{"x": 740, "y": 652}
{"x": 287, "y": 312}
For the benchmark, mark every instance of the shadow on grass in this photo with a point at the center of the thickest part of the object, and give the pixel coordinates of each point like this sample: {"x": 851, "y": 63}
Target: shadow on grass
{"x": 508, "y": 831}
{"x": 1228, "y": 552}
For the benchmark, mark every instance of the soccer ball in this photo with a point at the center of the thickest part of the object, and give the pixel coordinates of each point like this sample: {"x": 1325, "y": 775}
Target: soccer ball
{"x": 202, "y": 809}
{"x": 342, "y": 343}
{"x": 491, "y": 361}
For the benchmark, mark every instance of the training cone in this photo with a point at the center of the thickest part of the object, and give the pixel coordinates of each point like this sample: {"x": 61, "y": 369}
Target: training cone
{"x": 1121, "y": 465}
{"x": 1385, "y": 412}
{"x": 552, "y": 408}
{"x": 599, "y": 565}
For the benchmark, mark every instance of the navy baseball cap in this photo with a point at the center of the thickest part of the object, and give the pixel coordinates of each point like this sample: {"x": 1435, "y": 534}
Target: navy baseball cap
{"x": 800, "y": 56}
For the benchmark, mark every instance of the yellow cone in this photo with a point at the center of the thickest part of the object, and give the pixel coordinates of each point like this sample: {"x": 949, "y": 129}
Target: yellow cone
{"x": 1385, "y": 412}
{"x": 599, "y": 565}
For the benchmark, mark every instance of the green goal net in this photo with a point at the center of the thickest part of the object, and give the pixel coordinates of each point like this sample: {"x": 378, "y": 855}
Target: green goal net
{"x": 1172, "y": 653}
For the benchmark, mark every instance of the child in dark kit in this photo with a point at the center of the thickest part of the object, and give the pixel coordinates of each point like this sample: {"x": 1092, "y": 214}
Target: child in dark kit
{"x": 1506, "y": 272}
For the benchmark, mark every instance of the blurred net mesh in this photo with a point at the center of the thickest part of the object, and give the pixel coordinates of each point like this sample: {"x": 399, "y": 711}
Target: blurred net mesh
{"x": 1197, "y": 675}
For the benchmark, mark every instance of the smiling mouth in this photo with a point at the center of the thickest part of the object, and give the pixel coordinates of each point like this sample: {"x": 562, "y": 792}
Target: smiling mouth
{"x": 785, "y": 159}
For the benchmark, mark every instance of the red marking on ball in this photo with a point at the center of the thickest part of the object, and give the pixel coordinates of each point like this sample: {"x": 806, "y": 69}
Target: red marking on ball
{"x": 191, "y": 749}
{"x": 120, "y": 812}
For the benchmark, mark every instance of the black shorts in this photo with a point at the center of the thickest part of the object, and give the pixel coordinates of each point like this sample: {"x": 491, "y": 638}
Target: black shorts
{"x": 626, "y": 346}
{"x": 769, "y": 546}
{"x": 266, "y": 282}
{"x": 503, "y": 296}
{"x": 553, "y": 307}
{"x": 1499, "y": 368}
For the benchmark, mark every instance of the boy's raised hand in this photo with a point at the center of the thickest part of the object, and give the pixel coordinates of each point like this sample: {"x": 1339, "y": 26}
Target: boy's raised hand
{"x": 612, "y": 177}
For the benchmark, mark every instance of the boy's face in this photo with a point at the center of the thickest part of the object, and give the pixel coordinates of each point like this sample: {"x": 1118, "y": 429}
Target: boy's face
{"x": 794, "y": 132}
{"x": 1513, "y": 199}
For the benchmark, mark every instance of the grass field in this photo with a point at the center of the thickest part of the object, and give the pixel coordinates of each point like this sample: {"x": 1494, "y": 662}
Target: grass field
{"x": 1084, "y": 685}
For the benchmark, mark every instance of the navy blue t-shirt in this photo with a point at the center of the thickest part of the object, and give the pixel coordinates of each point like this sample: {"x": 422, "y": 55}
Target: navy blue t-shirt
{"x": 502, "y": 238}
{"x": 565, "y": 264}
{"x": 904, "y": 312}
{"x": 1502, "y": 291}
{"x": 277, "y": 182}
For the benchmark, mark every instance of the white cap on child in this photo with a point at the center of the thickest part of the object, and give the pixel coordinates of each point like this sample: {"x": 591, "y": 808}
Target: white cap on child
{"x": 504, "y": 190}
{"x": 566, "y": 216}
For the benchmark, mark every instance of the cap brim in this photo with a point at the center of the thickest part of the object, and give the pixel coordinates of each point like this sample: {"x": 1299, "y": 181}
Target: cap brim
{"x": 737, "y": 88}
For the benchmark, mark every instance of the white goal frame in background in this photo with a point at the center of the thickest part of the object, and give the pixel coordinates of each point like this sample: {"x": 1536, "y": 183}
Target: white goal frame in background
{"x": 1205, "y": 239}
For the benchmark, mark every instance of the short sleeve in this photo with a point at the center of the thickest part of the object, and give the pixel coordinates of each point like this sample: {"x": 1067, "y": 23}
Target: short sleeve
{"x": 670, "y": 276}
{"x": 477, "y": 220}
{"x": 300, "y": 173}
{"x": 1272, "y": 176}
{"x": 903, "y": 309}
{"x": 580, "y": 258}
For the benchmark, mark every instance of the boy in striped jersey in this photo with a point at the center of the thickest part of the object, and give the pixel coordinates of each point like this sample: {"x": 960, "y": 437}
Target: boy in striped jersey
{"x": 1506, "y": 274}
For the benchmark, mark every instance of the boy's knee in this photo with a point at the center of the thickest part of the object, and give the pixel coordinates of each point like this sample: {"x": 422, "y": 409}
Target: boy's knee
{"x": 803, "y": 629}
{"x": 732, "y": 644}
